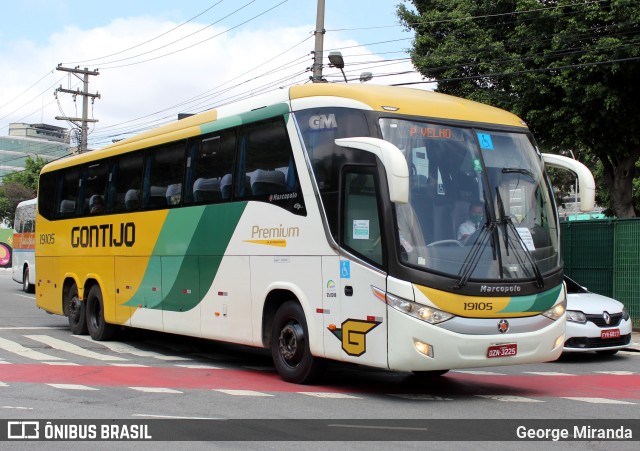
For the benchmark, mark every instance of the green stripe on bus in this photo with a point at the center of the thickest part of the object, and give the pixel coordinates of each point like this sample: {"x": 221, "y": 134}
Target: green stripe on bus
{"x": 279, "y": 109}
{"x": 191, "y": 245}
{"x": 533, "y": 303}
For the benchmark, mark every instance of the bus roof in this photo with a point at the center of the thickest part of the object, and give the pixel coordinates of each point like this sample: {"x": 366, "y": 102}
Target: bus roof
{"x": 391, "y": 99}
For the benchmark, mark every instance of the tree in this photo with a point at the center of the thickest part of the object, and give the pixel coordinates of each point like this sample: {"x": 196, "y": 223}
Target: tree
{"x": 570, "y": 69}
{"x": 28, "y": 177}
{"x": 19, "y": 186}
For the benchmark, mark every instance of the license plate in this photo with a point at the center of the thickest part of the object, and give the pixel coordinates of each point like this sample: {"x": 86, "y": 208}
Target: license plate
{"x": 505, "y": 350}
{"x": 611, "y": 333}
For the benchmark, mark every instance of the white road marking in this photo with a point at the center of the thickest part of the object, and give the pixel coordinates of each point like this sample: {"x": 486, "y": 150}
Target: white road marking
{"x": 547, "y": 373}
{"x": 22, "y": 351}
{"x": 479, "y": 373}
{"x": 72, "y": 387}
{"x": 199, "y": 367}
{"x": 243, "y": 392}
{"x": 507, "y": 398}
{"x": 329, "y": 395}
{"x": 62, "y": 345}
{"x": 618, "y": 373}
{"x": 16, "y": 407}
{"x": 155, "y": 390}
{"x": 124, "y": 348}
{"x": 173, "y": 417}
{"x": 597, "y": 400}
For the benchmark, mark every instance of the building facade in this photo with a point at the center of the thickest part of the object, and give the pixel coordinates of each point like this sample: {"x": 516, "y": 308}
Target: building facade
{"x": 32, "y": 140}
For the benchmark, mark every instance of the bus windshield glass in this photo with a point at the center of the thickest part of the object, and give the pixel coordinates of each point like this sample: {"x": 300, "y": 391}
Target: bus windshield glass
{"x": 479, "y": 203}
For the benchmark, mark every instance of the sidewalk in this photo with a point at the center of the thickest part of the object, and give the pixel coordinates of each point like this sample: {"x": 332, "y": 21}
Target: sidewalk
{"x": 635, "y": 341}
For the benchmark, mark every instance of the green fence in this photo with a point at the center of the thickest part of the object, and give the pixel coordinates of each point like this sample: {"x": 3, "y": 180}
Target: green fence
{"x": 604, "y": 256}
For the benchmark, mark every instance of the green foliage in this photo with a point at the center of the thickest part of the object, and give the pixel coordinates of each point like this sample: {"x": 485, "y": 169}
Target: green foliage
{"x": 569, "y": 69}
{"x": 29, "y": 176}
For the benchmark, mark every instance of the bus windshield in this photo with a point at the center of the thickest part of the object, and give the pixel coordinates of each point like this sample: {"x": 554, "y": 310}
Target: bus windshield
{"x": 479, "y": 204}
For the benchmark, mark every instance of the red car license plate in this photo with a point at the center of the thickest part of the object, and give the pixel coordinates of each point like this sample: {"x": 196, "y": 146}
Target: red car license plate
{"x": 505, "y": 350}
{"x": 611, "y": 333}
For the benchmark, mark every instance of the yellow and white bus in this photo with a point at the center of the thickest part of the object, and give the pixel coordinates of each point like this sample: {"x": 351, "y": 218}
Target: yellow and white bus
{"x": 319, "y": 221}
{"x": 24, "y": 244}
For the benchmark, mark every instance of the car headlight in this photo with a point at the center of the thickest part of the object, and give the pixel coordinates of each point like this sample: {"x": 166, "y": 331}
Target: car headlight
{"x": 556, "y": 311}
{"x": 625, "y": 314}
{"x": 422, "y": 312}
{"x": 576, "y": 317}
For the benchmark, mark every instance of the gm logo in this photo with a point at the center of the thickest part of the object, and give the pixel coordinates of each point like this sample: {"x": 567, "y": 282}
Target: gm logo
{"x": 323, "y": 122}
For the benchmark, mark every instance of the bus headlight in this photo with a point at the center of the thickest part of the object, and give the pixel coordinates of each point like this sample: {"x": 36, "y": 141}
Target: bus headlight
{"x": 556, "y": 311}
{"x": 425, "y": 313}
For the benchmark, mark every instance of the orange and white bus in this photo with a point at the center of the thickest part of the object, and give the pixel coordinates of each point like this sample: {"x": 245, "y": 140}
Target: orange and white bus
{"x": 319, "y": 221}
{"x": 24, "y": 245}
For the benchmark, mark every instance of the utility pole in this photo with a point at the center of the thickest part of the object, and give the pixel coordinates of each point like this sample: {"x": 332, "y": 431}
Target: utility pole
{"x": 85, "y": 103}
{"x": 317, "y": 54}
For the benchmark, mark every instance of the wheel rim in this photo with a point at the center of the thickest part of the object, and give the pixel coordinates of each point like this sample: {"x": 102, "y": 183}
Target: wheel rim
{"x": 291, "y": 343}
{"x": 26, "y": 280}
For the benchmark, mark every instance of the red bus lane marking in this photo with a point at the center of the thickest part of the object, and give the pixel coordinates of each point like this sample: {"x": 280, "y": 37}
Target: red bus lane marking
{"x": 600, "y": 385}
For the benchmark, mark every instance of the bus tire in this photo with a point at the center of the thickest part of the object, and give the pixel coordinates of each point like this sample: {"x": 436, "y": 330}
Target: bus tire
{"x": 290, "y": 346}
{"x": 76, "y": 312}
{"x": 98, "y": 328}
{"x": 27, "y": 286}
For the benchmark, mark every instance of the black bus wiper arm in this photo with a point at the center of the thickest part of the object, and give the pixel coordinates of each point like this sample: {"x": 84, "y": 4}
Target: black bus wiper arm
{"x": 473, "y": 257}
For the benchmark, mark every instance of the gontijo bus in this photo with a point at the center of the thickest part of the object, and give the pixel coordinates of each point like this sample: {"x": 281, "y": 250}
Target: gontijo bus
{"x": 318, "y": 221}
{"x": 24, "y": 244}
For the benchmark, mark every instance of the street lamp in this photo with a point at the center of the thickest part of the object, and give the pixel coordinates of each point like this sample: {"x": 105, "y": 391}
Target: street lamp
{"x": 335, "y": 58}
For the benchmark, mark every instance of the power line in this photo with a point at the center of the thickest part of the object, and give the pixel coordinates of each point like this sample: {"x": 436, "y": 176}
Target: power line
{"x": 149, "y": 40}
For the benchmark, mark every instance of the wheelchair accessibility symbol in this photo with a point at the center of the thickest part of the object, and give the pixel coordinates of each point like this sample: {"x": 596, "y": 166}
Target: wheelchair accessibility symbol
{"x": 345, "y": 269}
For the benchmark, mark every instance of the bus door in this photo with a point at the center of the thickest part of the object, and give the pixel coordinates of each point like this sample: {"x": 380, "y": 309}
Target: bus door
{"x": 358, "y": 330}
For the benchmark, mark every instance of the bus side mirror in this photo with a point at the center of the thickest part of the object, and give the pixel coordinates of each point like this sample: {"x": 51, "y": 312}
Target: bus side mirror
{"x": 393, "y": 160}
{"x": 587, "y": 186}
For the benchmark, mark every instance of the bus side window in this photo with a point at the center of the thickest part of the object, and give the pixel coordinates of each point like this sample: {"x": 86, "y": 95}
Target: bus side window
{"x": 361, "y": 230}
{"x": 265, "y": 160}
{"x": 164, "y": 169}
{"x": 69, "y": 190}
{"x": 126, "y": 177}
{"x": 209, "y": 160}
{"x": 94, "y": 187}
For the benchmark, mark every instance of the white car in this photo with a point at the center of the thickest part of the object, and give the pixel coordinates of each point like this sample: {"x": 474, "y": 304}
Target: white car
{"x": 594, "y": 322}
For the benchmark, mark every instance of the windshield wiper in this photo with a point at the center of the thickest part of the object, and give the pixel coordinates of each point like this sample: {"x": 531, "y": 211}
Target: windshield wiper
{"x": 477, "y": 247}
{"x": 508, "y": 225}
{"x": 519, "y": 171}
{"x": 473, "y": 257}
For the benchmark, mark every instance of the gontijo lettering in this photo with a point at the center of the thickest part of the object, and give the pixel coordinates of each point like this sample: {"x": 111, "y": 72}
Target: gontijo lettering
{"x": 104, "y": 235}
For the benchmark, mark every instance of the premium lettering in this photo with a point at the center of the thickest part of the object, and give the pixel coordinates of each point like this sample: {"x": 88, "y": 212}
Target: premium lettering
{"x": 274, "y": 232}
{"x": 104, "y": 235}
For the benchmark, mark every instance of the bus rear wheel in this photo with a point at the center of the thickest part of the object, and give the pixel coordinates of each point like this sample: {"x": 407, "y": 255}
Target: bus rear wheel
{"x": 27, "y": 286}
{"x": 76, "y": 312}
{"x": 98, "y": 328}
{"x": 290, "y": 346}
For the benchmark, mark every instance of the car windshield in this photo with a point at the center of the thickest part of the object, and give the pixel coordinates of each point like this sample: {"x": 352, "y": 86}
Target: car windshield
{"x": 479, "y": 204}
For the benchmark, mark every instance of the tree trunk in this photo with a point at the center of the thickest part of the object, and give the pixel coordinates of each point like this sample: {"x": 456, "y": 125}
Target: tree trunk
{"x": 619, "y": 180}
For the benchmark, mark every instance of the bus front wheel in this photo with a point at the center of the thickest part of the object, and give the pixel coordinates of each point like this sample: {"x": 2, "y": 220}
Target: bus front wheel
{"x": 99, "y": 329}
{"x": 76, "y": 312}
{"x": 290, "y": 346}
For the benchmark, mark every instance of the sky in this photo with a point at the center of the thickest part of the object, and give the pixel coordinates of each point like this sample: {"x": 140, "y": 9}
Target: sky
{"x": 160, "y": 58}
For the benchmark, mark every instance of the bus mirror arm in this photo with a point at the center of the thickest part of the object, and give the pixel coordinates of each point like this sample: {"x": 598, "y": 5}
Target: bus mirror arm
{"x": 586, "y": 183}
{"x": 393, "y": 160}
